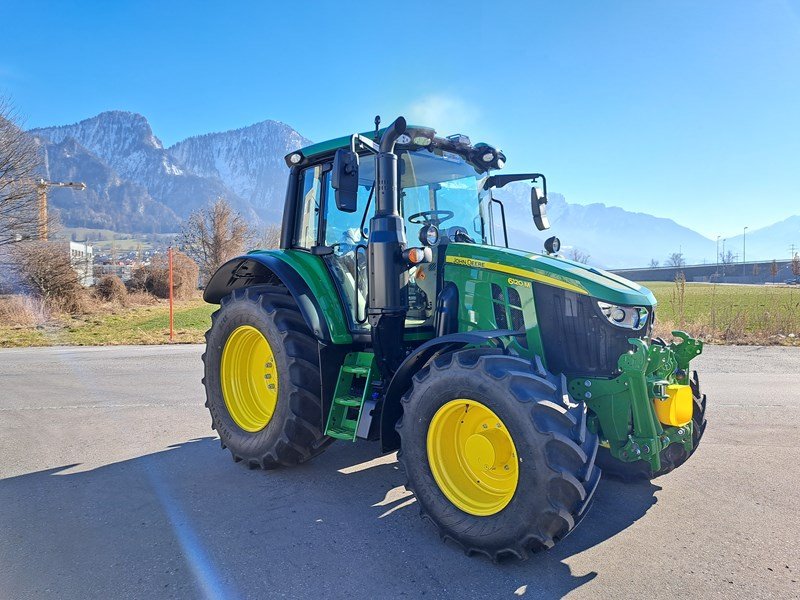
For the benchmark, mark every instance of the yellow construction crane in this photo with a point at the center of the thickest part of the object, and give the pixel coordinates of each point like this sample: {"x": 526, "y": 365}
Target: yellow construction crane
{"x": 41, "y": 189}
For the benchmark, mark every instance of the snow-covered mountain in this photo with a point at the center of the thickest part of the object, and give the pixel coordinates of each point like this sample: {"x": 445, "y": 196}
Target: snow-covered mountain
{"x": 137, "y": 185}
{"x": 249, "y": 161}
{"x": 611, "y": 236}
{"x": 774, "y": 241}
{"x": 109, "y": 200}
{"x": 125, "y": 143}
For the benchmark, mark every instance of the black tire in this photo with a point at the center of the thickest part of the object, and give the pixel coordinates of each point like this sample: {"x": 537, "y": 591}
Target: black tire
{"x": 553, "y": 445}
{"x": 295, "y": 433}
{"x": 672, "y": 456}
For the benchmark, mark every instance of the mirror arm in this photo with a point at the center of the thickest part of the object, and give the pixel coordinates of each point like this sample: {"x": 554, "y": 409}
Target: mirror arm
{"x": 363, "y": 143}
{"x": 503, "y": 216}
{"x": 499, "y": 181}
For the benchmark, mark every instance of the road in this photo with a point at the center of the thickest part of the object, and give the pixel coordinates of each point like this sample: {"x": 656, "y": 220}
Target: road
{"x": 112, "y": 485}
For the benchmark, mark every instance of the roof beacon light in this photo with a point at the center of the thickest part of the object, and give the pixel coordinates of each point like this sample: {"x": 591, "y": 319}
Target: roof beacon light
{"x": 459, "y": 139}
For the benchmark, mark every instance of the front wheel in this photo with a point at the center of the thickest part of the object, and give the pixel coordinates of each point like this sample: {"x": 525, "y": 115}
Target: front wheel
{"x": 499, "y": 459}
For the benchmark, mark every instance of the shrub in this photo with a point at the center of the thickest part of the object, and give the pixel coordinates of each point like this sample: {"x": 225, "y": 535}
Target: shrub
{"x": 112, "y": 289}
{"x": 44, "y": 271}
{"x": 22, "y": 311}
{"x": 154, "y": 278}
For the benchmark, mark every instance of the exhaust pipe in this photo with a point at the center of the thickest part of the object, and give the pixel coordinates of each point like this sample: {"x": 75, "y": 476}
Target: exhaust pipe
{"x": 388, "y": 273}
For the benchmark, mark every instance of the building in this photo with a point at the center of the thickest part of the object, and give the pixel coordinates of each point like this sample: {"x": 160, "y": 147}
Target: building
{"x": 756, "y": 272}
{"x": 81, "y": 256}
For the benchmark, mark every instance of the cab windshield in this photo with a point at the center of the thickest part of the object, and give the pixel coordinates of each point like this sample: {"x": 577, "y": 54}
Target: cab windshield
{"x": 443, "y": 189}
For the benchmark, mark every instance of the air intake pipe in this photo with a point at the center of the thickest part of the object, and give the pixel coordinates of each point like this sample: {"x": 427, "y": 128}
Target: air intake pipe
{"x": 388, "y": 272}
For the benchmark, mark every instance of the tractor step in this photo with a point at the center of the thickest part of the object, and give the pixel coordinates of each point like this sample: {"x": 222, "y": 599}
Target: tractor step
{"x": 353, "y": 389}
{"x": 348, "y": 401}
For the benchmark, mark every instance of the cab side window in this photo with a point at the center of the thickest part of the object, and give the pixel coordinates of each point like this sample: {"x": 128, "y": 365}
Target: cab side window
{"x": 308, "y": 206}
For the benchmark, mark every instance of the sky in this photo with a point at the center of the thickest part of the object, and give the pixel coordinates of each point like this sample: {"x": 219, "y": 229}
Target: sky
{"x": 683, "y": 109}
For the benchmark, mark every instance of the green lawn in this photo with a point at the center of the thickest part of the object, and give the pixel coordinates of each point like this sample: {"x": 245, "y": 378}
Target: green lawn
{"x": 717, "y": 313}
{"x": 134, "y": 325}
{"x": 730, "y": 313}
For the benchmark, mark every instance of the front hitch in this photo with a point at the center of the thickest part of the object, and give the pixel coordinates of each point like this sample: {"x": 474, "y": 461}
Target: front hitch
{"x": 648, "y": 406}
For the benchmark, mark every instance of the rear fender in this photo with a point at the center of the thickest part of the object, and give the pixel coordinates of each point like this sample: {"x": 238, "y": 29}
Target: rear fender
{"x": 304, "y": 277}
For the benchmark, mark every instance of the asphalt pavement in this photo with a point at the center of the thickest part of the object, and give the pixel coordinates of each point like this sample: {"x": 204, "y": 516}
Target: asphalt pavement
{"x": 113, "y": 485}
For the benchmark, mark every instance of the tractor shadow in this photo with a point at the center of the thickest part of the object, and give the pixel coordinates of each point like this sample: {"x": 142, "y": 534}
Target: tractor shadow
{"x": 186, "y": 523}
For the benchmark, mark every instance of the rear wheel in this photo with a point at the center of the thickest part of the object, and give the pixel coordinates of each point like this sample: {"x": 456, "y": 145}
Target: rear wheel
{"x": 499, "y": 460}
{"x": 262, "y": 379}
{"x": 672, "y": 457}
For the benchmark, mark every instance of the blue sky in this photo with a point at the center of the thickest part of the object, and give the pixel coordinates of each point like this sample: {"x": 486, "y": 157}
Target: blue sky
{"x": 689, "y": 110}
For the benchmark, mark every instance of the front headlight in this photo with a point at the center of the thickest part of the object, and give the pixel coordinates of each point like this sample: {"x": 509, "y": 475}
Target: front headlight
{"x": 630, "y": 317}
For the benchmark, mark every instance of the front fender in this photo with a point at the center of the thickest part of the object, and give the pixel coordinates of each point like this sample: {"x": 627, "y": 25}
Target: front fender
{"x": 305, "y": 277}
{"x": 421, "y": 356}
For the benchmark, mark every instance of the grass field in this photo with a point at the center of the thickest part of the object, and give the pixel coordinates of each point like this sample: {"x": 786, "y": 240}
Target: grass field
{"x": 119, "y": 325}
{"x": 744, "y": 314}
{"x": 732, "y": 314}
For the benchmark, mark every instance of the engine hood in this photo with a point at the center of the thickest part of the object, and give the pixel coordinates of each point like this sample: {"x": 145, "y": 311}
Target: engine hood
{"x": 550, "y": 270}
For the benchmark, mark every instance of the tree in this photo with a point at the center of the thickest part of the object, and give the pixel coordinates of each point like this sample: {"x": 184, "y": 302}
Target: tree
{"x": 675, "y": 260}
{"x": 728, "y": 258}
{"x": 578, "y": 255}
{"x": 270, "y": 236}
{"x": 653, "y": 263}
{"x": 215, "y": 234}
{"x": 796, "y": 265}
{"x": 44, "y": 270}
{"x": 756, "y": 269}
{"x": 19, "y": 161}
{"x": 773, "y": 270}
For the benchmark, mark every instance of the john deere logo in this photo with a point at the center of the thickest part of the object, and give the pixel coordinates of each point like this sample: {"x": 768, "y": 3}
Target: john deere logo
{"x": 519, "y": 282}
{"x": 467, "y": 262}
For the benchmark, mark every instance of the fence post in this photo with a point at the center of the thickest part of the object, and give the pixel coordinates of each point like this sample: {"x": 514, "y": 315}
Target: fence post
{"x": 171, "y": 309}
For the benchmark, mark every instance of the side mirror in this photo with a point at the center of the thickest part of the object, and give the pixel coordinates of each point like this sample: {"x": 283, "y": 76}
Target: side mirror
{"x": 344, "y": 180}
{"x": 539, "y": 205}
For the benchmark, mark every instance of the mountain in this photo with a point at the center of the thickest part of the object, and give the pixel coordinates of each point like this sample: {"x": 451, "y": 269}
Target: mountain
{"x": 611, "y": 236}
{"x": 249, "y": 161}
{"x": 773, "y": 241}
{"x": 108, "y": 201}
{"x": 135, "y": 184}
{"x": 125, "y": 142}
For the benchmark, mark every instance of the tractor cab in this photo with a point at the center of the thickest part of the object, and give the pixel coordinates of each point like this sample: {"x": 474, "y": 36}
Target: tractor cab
{"x": 445, "y": 197}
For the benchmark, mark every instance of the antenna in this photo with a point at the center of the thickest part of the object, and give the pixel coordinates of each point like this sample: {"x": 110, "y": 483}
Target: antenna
{"x": 377, "y": 124}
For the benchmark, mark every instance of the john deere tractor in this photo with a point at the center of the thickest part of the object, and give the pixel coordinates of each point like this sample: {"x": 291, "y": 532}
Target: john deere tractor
{"x": 395, "y": 311}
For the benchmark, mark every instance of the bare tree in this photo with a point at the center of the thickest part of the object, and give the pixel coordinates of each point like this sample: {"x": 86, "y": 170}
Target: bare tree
{"x": 675, "y": 260}
{"x": 45, "y": 270}
{"x": 773, "y": 270}
{"x": 653, "y": 263}
{"x": 728, "y": 258}
{"x": 215, "y": 234}
{"x": 19, "y": 161}
{"x": 270, "y": 236}
{"x": 578, "y": 255}
{"x": 796, "y": 265}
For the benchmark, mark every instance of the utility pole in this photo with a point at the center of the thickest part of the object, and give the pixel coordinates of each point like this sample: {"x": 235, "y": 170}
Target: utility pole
{"x": 41, "y": 191}
{"x": 744, "y": 250}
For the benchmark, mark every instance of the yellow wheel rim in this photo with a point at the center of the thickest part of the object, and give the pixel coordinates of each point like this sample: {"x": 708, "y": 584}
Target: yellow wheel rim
{"x": 249, "y": 378}
{"x": 472, "y": 457}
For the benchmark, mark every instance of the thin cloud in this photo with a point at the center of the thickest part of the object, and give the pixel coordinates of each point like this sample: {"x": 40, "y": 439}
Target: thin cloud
{"x": 447, "y": 114}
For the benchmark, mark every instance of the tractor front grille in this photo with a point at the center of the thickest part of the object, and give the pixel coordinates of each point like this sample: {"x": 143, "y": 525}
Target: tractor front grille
{"x": 577, "y": 337}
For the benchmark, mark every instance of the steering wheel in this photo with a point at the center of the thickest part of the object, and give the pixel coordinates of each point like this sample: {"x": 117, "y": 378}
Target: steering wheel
{"x": 431, "y": 217}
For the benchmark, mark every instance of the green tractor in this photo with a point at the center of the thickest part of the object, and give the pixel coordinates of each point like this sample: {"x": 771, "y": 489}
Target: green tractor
{"x": 394, "y": 311}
